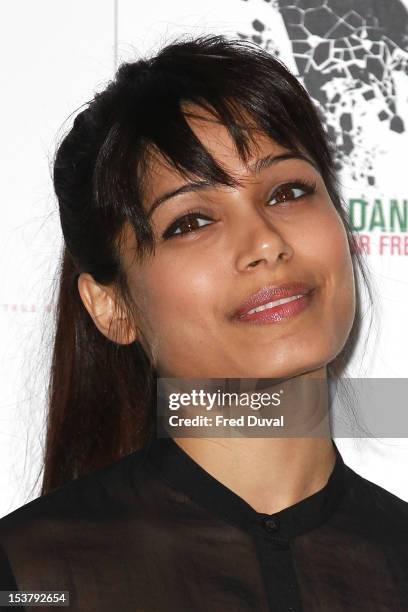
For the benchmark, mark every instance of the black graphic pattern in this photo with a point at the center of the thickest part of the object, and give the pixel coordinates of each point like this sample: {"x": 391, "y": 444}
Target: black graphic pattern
{"x": 347, "y": 53}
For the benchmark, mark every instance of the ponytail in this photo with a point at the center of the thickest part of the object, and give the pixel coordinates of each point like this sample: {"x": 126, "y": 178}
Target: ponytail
{"x": 99, "y": 396}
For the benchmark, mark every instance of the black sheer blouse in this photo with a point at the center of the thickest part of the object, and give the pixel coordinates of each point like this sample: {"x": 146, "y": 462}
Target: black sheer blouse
{"x": 155, "y": 532}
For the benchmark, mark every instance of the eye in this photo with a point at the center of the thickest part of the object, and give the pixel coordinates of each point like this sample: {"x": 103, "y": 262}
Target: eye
{"x": 187, "y": 224}
{"x": 292, "y": 191}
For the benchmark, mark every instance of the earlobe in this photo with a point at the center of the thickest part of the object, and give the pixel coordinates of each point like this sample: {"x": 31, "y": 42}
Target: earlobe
{"x": 99, "y": 301}
{"x": 121, "y": 332}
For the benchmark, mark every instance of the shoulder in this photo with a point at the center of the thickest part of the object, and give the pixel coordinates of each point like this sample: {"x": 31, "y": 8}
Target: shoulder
{"x": 82, "y": 524}
{"x": 378, "y": 497}
{"x": 88, "y": 496}
{"x": 7, "y": 578}
{"x": 376, "y": 508}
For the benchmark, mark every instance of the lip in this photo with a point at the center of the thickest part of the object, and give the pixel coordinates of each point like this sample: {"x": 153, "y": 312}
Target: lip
{"x": 271, "y": 293}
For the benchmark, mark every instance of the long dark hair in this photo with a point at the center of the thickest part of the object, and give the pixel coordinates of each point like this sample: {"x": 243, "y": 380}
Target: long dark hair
{"x": 101, "y": 396}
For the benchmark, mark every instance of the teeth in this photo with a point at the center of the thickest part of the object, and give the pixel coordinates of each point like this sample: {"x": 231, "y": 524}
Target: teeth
{"x": 276, "y": 303}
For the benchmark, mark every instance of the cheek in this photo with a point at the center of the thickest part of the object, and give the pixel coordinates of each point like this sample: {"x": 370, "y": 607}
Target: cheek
{"x": 179, "y": 292}
{"x": 336, "y": 266}
{"x": 335, "y": 252}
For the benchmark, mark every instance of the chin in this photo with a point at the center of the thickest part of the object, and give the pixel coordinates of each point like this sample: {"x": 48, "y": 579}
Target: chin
{"x": 294, "y": 369}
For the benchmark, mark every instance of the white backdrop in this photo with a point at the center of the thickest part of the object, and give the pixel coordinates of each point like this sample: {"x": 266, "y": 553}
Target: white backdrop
{"x": 55, "y": 56}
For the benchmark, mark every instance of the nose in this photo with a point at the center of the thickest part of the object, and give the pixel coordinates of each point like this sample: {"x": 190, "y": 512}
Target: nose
{"x": 260, "y": 242}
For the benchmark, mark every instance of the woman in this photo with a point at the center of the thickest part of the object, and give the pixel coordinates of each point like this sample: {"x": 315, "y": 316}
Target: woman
{"x": 196, "y": 188}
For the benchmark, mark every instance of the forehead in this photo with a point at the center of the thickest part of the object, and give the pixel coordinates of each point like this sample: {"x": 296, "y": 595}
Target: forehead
{"x": 162, "y": 176}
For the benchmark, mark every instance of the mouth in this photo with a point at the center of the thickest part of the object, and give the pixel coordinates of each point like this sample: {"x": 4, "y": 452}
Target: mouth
{"x": 275, "y": 303}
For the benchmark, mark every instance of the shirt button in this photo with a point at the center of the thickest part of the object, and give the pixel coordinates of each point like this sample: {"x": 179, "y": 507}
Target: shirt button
{"x": 271, "y": 525}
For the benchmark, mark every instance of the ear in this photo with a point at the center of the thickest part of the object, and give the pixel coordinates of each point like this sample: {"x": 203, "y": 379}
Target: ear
{"x": 101, "y": 303}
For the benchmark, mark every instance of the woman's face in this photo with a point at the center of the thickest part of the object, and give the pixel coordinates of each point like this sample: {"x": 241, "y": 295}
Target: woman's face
{"x": 267, "y": 231}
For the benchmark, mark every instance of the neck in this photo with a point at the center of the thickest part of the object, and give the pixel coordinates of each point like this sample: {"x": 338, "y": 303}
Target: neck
{"x": 271, "y": 473}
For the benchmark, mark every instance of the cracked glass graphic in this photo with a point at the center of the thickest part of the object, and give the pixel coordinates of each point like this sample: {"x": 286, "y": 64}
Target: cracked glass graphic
{"x": 348, "y": 54}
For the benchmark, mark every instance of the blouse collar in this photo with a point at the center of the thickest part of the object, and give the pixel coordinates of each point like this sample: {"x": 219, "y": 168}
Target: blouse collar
{"x": 183, "y": 473}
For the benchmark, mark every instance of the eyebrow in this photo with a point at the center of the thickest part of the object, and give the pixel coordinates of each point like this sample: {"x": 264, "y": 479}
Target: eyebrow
{"x": 256, "y": 167}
